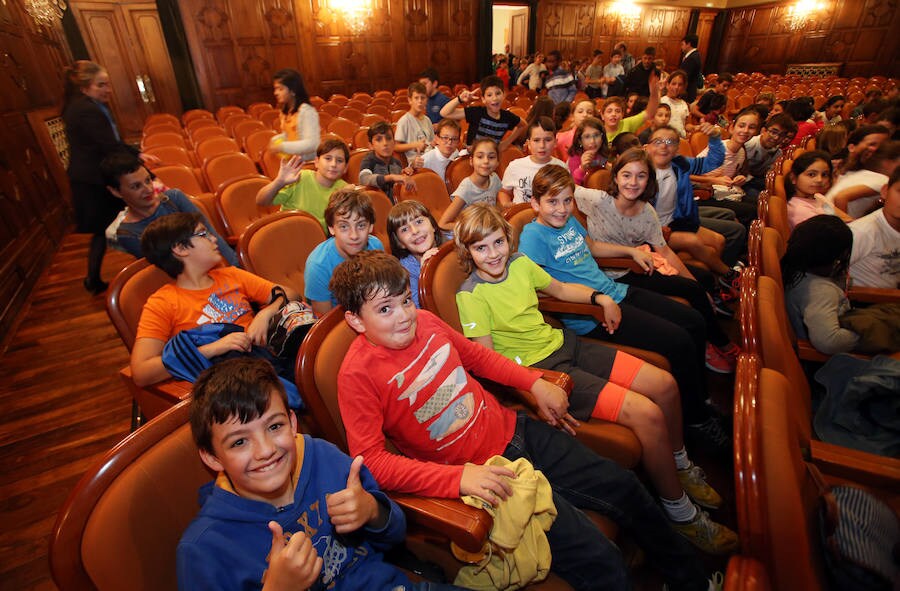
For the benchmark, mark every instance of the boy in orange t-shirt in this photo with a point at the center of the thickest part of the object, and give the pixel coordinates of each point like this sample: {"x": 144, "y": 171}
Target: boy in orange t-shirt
{"x": 203, "y": 292}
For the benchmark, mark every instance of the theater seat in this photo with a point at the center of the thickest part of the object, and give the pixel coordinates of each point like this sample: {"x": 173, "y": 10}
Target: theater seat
{"x": 121, "y": 524}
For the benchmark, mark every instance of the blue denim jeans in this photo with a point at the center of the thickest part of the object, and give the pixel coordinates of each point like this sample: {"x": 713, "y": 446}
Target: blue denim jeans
{"x": 581, "y": 479}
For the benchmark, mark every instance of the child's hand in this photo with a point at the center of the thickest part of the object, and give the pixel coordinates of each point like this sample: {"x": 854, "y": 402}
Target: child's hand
{"x": 259, "y": 327}
{"x": 708, "y": 129}
{"x": 289, "y": 170}
{"x": 352, "y": 507}
{"x": 643, "y": 259}
{"x": 294, "y": 564}
{"x": 488, "y": 482}
{"x": 428, "y": 254}
{"x": 720, "y": 180}
{"x": 418, "y": 162}
{"x": 655, "y": 83}
{"x": 235, "y": 341}
{"x": 409, "y": 183}
{"x": 612, "y": 313}
{"x": 586, "y": 158}
{"x": 465, "y": 96}
{"x": 739, "y": 180}
{"x": 553, "y": 405}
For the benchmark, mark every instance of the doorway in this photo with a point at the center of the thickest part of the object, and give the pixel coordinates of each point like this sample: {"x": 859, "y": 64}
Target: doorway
{"x": 510, "y": 27}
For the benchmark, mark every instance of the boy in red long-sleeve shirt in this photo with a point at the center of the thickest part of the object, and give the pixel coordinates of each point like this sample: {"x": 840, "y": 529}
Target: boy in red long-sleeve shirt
{"x": 406, "y": 378}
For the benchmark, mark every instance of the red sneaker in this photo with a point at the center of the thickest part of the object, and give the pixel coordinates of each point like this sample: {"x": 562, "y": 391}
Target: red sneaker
{"x": 718, "y": 361}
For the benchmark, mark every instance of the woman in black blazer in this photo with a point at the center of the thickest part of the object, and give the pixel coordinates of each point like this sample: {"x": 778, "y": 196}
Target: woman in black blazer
{"x": 92, "y": 134}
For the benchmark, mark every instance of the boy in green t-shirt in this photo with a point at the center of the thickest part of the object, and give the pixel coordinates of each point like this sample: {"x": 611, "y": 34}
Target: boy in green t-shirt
{"x": 307, "y": 190}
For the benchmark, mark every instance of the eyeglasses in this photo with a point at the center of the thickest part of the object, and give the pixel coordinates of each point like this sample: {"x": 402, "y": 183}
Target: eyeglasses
{"x": 447, "y": 138}
{"x": 664, "y": 142}
{"x": 781, "y": 134}
{"x": 591, "y": 136}
{"x": 203, "y": 234}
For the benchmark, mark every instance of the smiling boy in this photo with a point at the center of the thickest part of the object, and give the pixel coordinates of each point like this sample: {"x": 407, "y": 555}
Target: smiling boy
{"x": 415, "y": 132}
{"x": 281, "y": 512}
{"x": 307, "y": 190}
{"x": 447, "y": 134}
{"x": 127, "y": 178}
{"x": 350, "y": 218}
{"x": 540, "y": 142}
{"x": 488, "y": 121}
{"x": 764, "y": 149}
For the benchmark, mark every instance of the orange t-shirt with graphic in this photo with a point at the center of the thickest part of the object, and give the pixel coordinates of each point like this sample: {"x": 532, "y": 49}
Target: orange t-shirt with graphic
{"x": 173, "y": 309}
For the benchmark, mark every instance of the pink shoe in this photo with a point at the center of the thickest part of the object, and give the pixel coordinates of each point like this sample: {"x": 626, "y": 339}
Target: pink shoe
{"x": 718, "y": 360}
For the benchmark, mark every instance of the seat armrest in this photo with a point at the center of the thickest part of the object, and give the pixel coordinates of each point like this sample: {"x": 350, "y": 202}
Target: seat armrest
{"x": 466, "y": 526}
{"x": 551, "y": 304}
{"x": 874, "y": 295}
{"x": 155, "y": 398}
{"x": 867, "y": 469}
{"x": 746, "y": 574}
{"x": 619, "y": 263}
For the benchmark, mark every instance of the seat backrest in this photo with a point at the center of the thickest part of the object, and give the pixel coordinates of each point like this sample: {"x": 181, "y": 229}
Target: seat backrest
{"x": 237, "y": 204}
{"x": 439, "y": 281}
{"x": 256, "y": 108}
{"x": 776, "y": 341}
{"x": 129, "y": 292}
{"x": 331, "y": 108}
{"x": 200, "y": 123}
{"x": 271, "y": 118}
{"x": 180, "y": 177}
{"x": 430, "y": 190}
{"x": 276, "y": 246}
{"x": 776, "y": 215}
{"x": 171, "y": 155}
{"x": 754, "y": 243}
{"x": 225, "y": 168}
{"x": 245, "y": 128}
{"x": 343, "y": 128}
{"x": 360, "y": 138}
{"x": 352, "y": 114}
{"x": 699, "y": 141}
{"x": 169, "y": 138}
{"x": 122, "y": 523}
{"x": 192, "y": 115}
{"x": 163, "y": 127}
{"x": 224, "y": 113}
{"x": 215, "y": 146}
{"x": 157, "y": 118}
{"x": 599, "y": 179}
{"x": 257, "y": 142}
{"x": 771, "y": 251}
{"x": 318, "y": 362}
{"x": 506, "y": 156}
{"x": 233, "y": 120}
{"x": 458, "y": 170}
{"x": 352, "y": 173}
{"x": 201, "y": 134}
{"x": 790, "y": 520}
{"x": 382, "y": 205}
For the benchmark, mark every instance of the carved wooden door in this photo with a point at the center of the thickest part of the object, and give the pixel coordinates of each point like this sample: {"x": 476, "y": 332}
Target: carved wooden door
{"x": 126, "y": 37}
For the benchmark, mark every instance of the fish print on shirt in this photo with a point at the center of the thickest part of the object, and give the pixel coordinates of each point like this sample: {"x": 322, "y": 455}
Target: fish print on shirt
{"x": 450, "y": 406}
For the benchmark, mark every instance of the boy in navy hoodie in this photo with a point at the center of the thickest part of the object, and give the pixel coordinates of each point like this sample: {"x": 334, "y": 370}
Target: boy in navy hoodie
{"x": 286, "y": 511}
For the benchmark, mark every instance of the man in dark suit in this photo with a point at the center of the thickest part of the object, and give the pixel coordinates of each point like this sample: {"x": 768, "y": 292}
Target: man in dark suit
{"x": 691, "y": 64}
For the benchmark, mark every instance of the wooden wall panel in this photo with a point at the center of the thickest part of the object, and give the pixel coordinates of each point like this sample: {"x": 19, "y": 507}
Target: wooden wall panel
{"x": 576, "y": 28}
{"x": 861, "y": 34}
{"x": 235, "y": 63}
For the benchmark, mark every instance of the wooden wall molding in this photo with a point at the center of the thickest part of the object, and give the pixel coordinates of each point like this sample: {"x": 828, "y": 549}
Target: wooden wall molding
{"x": 861, "y": 34}
{"x": 237, "y": 45}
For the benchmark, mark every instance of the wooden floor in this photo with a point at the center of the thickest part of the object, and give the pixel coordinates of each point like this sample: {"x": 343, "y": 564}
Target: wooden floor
{"x": 63, "y": 407}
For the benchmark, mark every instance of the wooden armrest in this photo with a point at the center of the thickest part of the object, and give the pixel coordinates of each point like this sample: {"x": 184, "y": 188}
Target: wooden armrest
{"x": 857, "y": 466}
{"x": 155, "y": 398}
{"x": 466, "y": 526}
{"x": 807, "y": 352}
{"x": 619, "y": 263}
{"x": 702, "y": 194}
{"x": 746, "y": 574}
{"x": 551, "y": 304}
{"x": 874, "y": 295}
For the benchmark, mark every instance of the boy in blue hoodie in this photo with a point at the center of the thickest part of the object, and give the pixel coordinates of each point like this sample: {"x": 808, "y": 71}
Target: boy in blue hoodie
{"x": 286, "y": 511}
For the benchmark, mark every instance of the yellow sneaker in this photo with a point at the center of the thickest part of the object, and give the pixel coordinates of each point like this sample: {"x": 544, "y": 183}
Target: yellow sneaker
{"x": 706, "y": 534}
{"x": 693, "y": 481}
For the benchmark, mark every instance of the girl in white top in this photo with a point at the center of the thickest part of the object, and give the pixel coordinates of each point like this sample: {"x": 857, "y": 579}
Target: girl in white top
{"x": 299, "y": 119}
{"x": 481, "y": 186}
{"x": 675, "y": 88}
{"x": 857, "y": 192}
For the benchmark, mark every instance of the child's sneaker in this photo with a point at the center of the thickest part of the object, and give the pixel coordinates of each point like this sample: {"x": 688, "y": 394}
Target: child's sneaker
{"x": 719, "y": 361}
{"x": 713, "y": 435}
{"x": 719, "y": 306}
{"x": 706, "y": 534}
{"x": 693, "y": 481}
{"x": 730, "y": 284}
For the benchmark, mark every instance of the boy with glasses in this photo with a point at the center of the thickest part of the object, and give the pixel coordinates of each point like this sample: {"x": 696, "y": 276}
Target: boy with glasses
{"x": 446, "y": 150}
{"x": 204, "y": 293}
{"x": 764, "y": 149}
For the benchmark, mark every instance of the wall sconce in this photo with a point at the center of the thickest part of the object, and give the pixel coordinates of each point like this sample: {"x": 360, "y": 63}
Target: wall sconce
{"x": 802, "y": 12}
{"x": 45, "y": 12}
{"x": 355, "y": 13}
{"x": 628, "y": 14}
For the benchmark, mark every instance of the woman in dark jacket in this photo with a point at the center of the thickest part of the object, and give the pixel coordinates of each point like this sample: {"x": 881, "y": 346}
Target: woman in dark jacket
{"x": 92, "y": 134}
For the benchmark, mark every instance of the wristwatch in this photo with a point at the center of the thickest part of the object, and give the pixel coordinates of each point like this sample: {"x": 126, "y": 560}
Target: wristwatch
{"x": 594, "y": 297}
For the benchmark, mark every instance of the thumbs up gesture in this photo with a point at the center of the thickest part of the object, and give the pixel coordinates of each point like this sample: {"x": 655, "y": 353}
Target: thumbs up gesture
{"x": 353, "y": 507}
{"x": 293, "y": 564}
